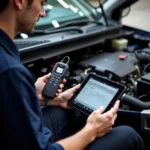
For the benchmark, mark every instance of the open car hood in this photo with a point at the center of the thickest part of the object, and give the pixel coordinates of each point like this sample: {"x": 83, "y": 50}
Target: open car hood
{"x": 41, "y": 47}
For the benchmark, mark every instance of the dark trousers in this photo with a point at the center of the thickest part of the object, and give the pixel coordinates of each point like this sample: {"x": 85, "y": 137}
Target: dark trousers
{"x": 64, "y": 123}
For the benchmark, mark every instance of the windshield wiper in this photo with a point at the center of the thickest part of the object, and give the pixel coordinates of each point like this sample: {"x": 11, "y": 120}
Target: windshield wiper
{"x": 57, "y": 30}
{"x": 74, "y": 23}
{"x": 68, "y": 26}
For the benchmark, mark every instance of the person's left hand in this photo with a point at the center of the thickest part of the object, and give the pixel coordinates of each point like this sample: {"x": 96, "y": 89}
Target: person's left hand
{"x": 40, "y": 84}
{"x": 64, "y": 97}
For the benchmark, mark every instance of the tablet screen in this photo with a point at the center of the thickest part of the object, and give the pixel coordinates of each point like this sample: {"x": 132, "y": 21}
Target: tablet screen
{"x": 96, "y": 94}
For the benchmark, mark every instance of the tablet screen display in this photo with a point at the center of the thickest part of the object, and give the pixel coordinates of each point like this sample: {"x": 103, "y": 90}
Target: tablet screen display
{"x": 96, "y": 94}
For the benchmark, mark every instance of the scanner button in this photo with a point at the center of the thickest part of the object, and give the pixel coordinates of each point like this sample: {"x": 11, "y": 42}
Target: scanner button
{"x": 90, "y": 110}
{"x": 87, "y": 108}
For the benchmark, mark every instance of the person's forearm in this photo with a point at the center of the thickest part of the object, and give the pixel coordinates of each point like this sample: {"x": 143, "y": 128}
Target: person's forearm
{"x": 79, "y": 141}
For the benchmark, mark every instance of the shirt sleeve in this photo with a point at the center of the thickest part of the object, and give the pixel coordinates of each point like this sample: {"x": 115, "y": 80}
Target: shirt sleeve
{"x": 22, "y": 124}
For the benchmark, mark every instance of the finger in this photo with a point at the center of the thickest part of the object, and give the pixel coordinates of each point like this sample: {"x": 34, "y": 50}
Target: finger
{"x": 117, "y": 104}
{"x": 57, "y": 94}
{"x": 101, "y": 110}
{"x": 64, "y": 81}
{"x": 61, "y": 86}
{"x": 78, "y": 86}
{"x": 75, "y": 88}
{"x": 114, "y": 118}
{"x": 109, "y": 115}
{"x": 59, "y": 90}
{"x": 114, "y": 109}
{"x": 46, "y": 77}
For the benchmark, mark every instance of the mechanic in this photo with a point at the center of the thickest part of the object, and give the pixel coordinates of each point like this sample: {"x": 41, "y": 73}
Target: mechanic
{"x": 22, "y": 126}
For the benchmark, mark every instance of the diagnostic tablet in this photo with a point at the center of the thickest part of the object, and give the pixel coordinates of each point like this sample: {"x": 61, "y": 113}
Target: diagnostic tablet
{"x": 96, "y": 91}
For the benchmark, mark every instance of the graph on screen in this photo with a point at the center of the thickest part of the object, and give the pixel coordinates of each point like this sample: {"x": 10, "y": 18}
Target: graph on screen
{"x": 96, "y": 94}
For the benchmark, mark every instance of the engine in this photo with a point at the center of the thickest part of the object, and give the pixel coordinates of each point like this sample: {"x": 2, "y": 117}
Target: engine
{"x": 127, "y": 67}
{"x": 121, "y": 67}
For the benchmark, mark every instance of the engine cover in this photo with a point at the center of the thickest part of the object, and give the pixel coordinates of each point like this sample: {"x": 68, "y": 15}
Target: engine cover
{"x": 119, "y": 64}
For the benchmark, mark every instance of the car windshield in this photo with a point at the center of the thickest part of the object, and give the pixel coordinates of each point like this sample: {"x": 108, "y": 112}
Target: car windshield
{"x": 61, "y": 11}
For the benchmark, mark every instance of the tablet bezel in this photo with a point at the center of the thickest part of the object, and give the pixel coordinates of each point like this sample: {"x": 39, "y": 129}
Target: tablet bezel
{"x": 85, "y": 109}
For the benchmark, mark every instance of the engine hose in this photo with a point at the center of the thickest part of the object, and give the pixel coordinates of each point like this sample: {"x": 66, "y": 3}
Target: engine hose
{"x": 126, "y": 99}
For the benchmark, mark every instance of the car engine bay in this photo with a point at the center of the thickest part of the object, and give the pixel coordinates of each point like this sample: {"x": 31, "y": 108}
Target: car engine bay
{"x": 129, "y": 66}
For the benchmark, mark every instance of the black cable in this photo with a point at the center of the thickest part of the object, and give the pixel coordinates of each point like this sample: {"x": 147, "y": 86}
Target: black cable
{"x": 66, "y": 60}
{"x": 145, "y": 68}
{"x": 144, "y": 96}
{"x": 46, "y": 101}
{"x": 142, "y": 51}
{"x": 132, "y": 101}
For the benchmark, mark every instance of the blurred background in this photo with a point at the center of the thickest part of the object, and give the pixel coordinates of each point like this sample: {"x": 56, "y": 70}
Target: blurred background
{"x": 139, "y": 15}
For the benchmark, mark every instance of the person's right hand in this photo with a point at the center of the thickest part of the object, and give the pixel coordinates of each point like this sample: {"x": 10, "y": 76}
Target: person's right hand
{"x": 101, "y": 123}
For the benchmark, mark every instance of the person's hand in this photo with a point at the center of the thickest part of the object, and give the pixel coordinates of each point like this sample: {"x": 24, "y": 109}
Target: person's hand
{"x": 62, "y": 99}
{"x": 101, "y": 123}
{"x": 40, "y": 84}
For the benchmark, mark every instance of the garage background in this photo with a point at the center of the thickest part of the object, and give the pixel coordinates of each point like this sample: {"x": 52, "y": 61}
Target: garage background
{"x": 139, "y": 16}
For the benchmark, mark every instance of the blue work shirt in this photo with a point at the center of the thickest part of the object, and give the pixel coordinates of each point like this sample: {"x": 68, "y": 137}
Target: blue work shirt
{"x": 21, "y": 126}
